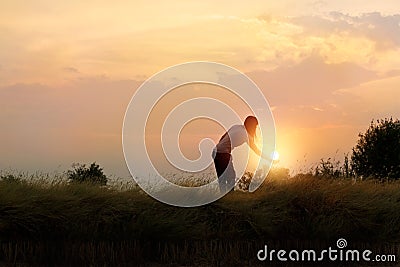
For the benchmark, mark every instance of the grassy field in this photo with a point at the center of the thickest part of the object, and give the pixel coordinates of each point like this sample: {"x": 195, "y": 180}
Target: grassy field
{"x": 69, "y": 225}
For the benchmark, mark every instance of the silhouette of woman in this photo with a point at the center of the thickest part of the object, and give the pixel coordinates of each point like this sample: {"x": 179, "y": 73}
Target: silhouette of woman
{"x": 234, "y": 137}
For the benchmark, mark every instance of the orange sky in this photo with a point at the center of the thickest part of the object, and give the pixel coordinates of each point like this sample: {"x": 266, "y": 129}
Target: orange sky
{"x": 68, "y": 70}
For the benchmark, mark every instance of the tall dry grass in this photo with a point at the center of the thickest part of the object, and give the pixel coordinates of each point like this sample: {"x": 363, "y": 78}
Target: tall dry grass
{"x": 82, "y": 224}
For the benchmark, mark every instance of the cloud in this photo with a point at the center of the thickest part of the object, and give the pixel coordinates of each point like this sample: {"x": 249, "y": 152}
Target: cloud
{"x": 44, "y": 126}
{"x": 47, "y": 54}
{"x": 383, "y": 30}
{"x": 71, "y": 70}
{"x": 372, "y": 100}
{"x": 315, "y": 94}
{"x": 310, "y": 82}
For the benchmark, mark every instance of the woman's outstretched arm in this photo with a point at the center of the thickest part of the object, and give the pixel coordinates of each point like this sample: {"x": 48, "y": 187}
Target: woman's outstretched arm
{"x": 256, "y": 150}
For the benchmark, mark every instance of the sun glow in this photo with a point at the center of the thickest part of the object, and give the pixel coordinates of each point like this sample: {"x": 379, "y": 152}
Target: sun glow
{"x": 275, "y": 155}
{"x": 267, "y": 156}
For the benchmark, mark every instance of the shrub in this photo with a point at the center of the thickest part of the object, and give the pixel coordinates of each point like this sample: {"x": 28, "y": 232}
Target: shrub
{"x": 274, "y": 173}
{"x": 82, "y": 174}
{"x": 244, "y": 182}
{"x": 9, "y": 178}
{"x": 332, "y": 168}
{"x": 328, "y": 168}
{"x": 377, "y": 152}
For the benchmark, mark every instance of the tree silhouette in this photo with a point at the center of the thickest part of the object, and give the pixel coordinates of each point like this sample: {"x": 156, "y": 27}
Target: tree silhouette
{"x": 92, "y": 174}
{"x": 377, "y": 153}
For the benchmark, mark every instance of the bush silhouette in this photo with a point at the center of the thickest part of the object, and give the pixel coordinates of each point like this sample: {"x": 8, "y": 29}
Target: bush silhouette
{"x": 377, "y": 153}
{"x": 332, "y": 168}
{"x": 329, "y": 168}
{"x": 10, "y": 178}
{"x": 82, "y": 174}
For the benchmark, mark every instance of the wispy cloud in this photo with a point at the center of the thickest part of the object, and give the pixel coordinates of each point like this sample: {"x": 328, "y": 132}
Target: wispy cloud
{"x": 383, "y": 30}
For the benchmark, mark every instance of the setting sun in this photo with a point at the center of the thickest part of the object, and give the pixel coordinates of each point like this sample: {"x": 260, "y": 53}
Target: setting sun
{"x": 275, "y": 156}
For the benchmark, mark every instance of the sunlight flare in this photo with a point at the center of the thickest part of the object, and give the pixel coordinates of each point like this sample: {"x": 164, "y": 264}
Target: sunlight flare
{"x": 275, "y": 155}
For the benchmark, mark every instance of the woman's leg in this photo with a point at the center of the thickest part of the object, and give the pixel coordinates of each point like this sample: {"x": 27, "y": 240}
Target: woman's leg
{"x": 230, "y": 176}
{"x": 225, "y": 171}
